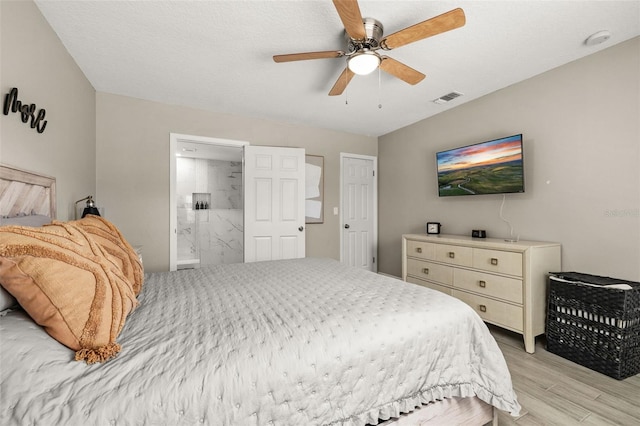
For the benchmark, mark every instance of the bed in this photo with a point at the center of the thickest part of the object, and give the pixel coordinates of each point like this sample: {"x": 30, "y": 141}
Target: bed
{"x": 291, "y": 342}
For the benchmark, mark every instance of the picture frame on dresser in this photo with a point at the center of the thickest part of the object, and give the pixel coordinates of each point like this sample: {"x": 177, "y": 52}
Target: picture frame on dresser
{"x": 504, "y": 282}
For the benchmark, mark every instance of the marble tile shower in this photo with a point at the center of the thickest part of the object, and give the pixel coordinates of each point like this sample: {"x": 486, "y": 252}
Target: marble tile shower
{"x": 210, "y": 212}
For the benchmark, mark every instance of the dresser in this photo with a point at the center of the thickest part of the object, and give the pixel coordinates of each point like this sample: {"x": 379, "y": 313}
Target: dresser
{"x": 504, "y": 282}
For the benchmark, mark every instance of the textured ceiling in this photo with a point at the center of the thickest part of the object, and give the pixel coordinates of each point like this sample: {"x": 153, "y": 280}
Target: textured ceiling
{"x": 217, "y": 55}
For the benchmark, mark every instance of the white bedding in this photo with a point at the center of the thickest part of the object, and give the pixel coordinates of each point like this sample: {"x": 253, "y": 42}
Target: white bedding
{"x": 294, "y": 342}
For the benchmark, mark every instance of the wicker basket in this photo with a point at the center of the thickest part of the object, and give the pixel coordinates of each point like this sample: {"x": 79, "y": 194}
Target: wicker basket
{"x": 594, "y": 325}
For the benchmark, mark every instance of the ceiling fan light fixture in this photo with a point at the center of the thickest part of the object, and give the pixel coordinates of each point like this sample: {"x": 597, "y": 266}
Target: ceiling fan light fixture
{"x": 363, "y": 63}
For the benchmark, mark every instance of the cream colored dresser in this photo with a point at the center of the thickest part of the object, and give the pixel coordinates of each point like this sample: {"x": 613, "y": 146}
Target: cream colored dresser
{"x": 505, "y": 282}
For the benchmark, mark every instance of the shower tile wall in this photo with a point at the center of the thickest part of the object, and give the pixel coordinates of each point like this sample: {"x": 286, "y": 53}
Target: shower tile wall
{"x": 212, "y": 236}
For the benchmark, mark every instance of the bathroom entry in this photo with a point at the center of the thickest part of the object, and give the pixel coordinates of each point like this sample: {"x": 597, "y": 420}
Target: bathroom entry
{"x": 272, "y": 202}
{"x": 206, "y": 201}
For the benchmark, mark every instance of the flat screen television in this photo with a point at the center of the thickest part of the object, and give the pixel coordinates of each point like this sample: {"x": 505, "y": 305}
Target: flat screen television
{"x": 491, "y": 167}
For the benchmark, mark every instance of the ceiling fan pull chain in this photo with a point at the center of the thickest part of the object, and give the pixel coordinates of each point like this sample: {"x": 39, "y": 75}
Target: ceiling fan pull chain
{"x": 346, "y": 91}
{"x": 379, "y": 89}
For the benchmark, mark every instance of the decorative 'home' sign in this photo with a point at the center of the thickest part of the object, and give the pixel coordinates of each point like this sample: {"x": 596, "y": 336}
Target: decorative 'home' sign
{"x": 27, "y": 111}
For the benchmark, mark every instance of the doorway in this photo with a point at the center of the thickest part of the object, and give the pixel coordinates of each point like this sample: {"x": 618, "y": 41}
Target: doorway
{"x": 359, "y": 207}
{"x": 206, "y": 201}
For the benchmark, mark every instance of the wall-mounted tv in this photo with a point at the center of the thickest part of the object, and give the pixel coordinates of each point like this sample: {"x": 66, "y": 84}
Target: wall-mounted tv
{"x": 491, "y": 167}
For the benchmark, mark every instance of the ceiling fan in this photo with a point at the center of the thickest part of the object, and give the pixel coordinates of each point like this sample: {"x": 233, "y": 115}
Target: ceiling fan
{"x": 364, "y": 39}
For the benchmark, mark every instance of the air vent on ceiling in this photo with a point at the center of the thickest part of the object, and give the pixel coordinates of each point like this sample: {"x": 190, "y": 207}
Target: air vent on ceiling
{"x": 448, "y": 97}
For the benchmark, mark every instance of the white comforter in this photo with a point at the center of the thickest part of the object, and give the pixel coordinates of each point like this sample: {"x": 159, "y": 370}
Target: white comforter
{"x": 294, "y": 342}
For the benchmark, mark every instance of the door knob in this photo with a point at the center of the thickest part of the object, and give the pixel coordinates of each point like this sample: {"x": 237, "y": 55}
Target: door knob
{"x": 346, "y": 226}
{"x": 301, "y": 229}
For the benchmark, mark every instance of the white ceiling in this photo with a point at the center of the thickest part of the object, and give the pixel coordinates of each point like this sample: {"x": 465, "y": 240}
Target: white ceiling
{"x": 217, "y": 55}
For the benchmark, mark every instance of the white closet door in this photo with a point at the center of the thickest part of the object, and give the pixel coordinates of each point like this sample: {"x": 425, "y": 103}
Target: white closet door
{"x": 358, "y": 212}
{"x": 274, "y": 212}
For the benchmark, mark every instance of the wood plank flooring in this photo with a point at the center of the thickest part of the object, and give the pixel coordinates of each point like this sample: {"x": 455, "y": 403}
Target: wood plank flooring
{"x": 555, "y": 391}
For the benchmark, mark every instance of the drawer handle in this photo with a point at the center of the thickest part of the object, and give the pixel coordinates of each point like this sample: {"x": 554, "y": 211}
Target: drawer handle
{"x": 483, "y": 308}
{"x": 494, "y": 261}
{"x": 425, "y": 271}
{"x": 419, "y": 249}
{"x": 482, "y": 283}
{"x": 452, "y": 255}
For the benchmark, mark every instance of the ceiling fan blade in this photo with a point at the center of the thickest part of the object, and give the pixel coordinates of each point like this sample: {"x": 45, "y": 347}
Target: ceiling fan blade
{"x": 351, "y": 17}
{"x": 400, "y": 70}
{"x": 308, "y": 55}
{"x": 447, "y": 21}
{"x": 342, "y": 82}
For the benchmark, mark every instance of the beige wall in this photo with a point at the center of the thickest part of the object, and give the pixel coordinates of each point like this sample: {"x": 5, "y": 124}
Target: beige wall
{"x": 582, "y": 155}
{"x": 582, "y": 150}
{"x": 33, "y": 59}
{"x": 133, "y": 166}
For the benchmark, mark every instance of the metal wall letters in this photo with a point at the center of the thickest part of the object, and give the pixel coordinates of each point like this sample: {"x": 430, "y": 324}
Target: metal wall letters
{"x": 27, "y": 111}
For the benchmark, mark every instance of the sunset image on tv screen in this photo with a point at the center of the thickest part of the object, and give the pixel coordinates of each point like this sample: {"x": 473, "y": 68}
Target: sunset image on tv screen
{"x": 493, "y": 167}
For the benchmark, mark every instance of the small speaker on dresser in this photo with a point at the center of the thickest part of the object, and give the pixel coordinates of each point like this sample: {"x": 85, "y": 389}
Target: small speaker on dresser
{"x": 479, "y": 233}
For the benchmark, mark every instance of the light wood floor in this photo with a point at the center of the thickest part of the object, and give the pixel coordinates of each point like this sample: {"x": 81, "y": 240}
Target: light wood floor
{"x": 555, "y": 391}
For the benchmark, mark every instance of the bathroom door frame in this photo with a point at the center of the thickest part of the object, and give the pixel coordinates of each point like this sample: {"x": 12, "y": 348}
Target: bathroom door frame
{"x": 174, "y": 139}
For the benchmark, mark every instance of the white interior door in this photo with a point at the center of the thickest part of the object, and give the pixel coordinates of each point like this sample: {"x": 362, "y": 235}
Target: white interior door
{"x": 274, "y": 215}
{"x": 359, "y": 211}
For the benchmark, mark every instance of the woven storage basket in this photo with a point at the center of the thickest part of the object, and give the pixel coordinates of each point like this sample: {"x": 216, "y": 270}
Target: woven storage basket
{"x": 594, "y": 325}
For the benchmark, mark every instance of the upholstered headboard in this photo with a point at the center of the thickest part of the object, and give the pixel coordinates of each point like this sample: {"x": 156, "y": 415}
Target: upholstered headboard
{"x": 24, "y": 193}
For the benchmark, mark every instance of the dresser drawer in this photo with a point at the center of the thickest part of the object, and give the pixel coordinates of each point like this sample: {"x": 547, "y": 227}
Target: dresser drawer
{"x": 489, "y": 285}
{"x": 455, "y": 255}
{"x": 493, "y": 311}
{"x": 421, "y": 249}
{"x": 504, "y": 262}
{"x": 428, "y": 284}
{"x": 430, "y": 271}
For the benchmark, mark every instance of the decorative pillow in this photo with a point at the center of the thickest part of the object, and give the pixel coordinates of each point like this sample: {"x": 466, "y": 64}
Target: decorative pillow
{"x": 109, "y": 237}
{"x": 69, "y": 284}
{"x": 6, "y": 299}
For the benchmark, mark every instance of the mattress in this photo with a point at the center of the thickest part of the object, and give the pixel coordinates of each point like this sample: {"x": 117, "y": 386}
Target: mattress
{"x": 291, "y": 342}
